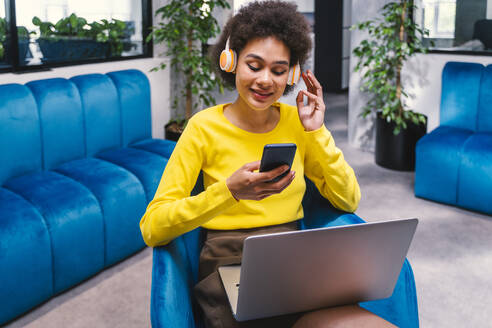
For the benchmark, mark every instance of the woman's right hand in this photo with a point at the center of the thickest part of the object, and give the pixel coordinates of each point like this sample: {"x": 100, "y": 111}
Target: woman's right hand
{"x": 247, "y": 184}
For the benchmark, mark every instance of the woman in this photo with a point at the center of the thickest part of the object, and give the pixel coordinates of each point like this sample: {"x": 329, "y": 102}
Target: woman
{"x": 225, "y": 142}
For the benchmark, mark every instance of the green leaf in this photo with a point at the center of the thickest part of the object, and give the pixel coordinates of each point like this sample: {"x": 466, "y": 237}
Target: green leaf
{"x": 36, "y": 21}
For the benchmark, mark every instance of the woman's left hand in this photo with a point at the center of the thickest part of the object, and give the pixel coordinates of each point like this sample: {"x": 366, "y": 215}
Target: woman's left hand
{"x": 312, "y": 115}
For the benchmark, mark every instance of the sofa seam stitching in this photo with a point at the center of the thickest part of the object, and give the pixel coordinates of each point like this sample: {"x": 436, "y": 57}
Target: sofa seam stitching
{"x": 118, "y": 93}
{"x": 41, "y": 130}
{"x": 84, "y": 123}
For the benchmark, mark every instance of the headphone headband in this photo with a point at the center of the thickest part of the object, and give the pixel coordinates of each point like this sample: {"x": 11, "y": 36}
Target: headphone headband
{"x": 294, "y": 74}
{"x": 227, "y": 43}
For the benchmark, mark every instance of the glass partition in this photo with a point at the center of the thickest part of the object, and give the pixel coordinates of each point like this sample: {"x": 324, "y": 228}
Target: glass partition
{"x": 63, "y": 31}
{"x": 463, "y": 26}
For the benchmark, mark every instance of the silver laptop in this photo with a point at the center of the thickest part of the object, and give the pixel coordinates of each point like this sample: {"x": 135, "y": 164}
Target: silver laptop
{"x": 304, "y": 270}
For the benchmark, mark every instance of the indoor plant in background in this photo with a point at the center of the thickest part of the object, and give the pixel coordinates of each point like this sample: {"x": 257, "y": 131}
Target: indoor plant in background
{"x": 73, "y": 38}
{"x": 187, "y": 25}
{"x": 392, "y": 40}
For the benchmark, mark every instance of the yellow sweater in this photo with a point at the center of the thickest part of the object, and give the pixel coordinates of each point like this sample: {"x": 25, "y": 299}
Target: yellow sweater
{"x": 210, "y": 143}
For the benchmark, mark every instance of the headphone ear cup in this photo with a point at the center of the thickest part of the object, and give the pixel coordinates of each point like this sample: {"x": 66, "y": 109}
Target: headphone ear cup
{"x": 294, "y": 74}
{"x": 228, "y": 60}
{"x": 233, "y": 60}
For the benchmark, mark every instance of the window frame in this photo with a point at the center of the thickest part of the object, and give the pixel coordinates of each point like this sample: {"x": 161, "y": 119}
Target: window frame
{"x": 11, "y": 63}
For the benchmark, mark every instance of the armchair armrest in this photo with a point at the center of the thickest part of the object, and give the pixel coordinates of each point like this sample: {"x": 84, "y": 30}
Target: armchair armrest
{"x": 320, "y": 213}
{"x": 172, "y": 283}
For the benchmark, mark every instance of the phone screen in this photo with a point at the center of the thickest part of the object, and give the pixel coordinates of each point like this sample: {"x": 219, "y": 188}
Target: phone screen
{"x": 275, "y": 155}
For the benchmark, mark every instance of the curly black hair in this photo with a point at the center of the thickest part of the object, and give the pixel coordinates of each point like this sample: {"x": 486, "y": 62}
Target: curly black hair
{"x": 260, "y": 20}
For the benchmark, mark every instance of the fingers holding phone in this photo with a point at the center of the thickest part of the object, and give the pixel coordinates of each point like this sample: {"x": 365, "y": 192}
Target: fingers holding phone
{"x": 247, "y": 183}
{"x": 275, "y": 187}
{"x": 274, "y": 174}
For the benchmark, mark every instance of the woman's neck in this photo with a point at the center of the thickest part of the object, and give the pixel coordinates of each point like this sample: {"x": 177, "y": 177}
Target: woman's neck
{"x": 251, "y": 120}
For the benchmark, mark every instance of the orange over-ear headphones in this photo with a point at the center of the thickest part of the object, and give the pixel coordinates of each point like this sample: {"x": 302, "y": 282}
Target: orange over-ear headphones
{"x": 228, "y": 59}
{"x": 228, "y": 63}
{"x": 294, "y": 74}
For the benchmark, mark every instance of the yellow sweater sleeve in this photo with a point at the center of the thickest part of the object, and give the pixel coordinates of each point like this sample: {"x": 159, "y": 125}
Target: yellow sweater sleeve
{"x": 327, "y": 168}
{"x": 173, "y": 211}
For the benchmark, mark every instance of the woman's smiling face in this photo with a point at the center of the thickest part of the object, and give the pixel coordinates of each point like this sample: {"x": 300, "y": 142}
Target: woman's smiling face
{"x": 262, "y": 72}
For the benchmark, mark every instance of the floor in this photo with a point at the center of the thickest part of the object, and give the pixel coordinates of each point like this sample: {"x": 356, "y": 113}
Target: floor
{"x": 451, "y": 256}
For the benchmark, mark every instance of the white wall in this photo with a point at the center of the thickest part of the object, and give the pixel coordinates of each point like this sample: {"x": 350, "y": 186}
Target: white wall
{"x": 159, "y": 83}
{"x": 489, "y": 9}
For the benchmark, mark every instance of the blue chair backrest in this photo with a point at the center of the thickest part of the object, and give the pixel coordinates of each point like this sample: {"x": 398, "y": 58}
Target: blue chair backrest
{"x": 134, "y": 99}
{"x": 62, "y": 120}
{"x": 101, "y": 112}
{"x": 20, "y": 135}
{"x": 460, "y": 94}
{"x": 484, "y": 119}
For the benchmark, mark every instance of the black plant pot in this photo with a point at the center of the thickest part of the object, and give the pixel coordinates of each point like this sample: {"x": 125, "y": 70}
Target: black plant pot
{"x": 397, "y": 152}
{"x": 171, "y": 135}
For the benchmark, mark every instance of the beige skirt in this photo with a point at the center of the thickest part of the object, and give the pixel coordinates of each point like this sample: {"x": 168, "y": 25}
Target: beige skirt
{"x": 225, "y": 247}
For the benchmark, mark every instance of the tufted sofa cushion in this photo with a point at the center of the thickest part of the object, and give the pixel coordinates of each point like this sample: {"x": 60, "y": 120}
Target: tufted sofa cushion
{"x": 437, "y": 162}
{"x": 25, "y": 253}
{"x": 459, "y": 95}
{"x": 20, "y": 132}
{"x": 475, "y": 174}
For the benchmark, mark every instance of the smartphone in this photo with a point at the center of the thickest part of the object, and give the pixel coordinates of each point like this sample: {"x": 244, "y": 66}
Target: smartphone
{"x": 275, "y": 155}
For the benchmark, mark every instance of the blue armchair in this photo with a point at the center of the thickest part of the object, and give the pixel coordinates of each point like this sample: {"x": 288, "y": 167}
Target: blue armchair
{"x": 175, "y": 271}
{"x": 453, "y": 163}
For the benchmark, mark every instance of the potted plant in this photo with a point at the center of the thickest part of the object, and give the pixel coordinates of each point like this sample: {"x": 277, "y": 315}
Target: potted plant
{"x": 73, "y": 38}
{"x": 112, "y": 32}
{"x": 392, "y": 40}
{"x": 185, "y": 26}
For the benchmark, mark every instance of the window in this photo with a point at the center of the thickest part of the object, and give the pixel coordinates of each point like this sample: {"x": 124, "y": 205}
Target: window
{"x": 439, "y": 18}
{"x": 462, "y": 26}
{"x": 67, "y": 32}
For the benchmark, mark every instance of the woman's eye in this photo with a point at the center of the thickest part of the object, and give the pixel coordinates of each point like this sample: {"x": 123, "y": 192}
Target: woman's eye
{"x": 254, "y": 69}
{"x": 278, "y": 73}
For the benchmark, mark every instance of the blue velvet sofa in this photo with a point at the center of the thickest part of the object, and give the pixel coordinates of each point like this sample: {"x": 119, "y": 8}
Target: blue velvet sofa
{"x": 454, "y": 161}
{"x": 175, "y": 272}
{"x": 78, "y": 167}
